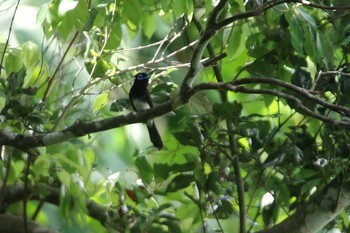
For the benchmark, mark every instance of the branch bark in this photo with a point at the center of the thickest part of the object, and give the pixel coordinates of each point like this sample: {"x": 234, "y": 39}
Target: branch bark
{"x": 319, "y": 211}
{"x": 82, "y": 128}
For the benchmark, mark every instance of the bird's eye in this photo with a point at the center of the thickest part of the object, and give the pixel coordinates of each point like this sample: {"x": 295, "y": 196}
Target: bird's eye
{"x": 139, "y": 76}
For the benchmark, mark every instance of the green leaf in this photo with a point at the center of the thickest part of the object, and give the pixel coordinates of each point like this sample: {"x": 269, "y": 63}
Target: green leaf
{"x": 162, "y": 207}
{"x": 163, "y": 92}
{"x": 310, "y": 45}
{"x": 41, "y": 166}
{"x": 185, "y": 167}
{"x": 120, "y": 105}
{"x": 224, "y": 209}
{"x": 13, "y": 61}
{"x": 149, "y": 25}
{"x": 180, "y": 182}
{"x": 133, "y": 11}
{"x": 189, "y": 9}
{"x": 115, "y": 37}
{"x": 344, "y": 81}
{"x": 213, "y": 182}
{"x": 16, "y": 168}
{"x": 42, "y": 13}
{"x": 161, "y": 171}
{"x": 100, "y": 102}
{"x": 262, "y": 68}
{"x": 35, "y": 118}
{"x": 99, "y": 67}
{"x": 30, "y": 54}
{"x": 325, "y": 49}
{"x": 192, "y": 136}
{"x": 296, "y": 33}
{"x": 145, "y": 169}
{"x": 228, "y": 110}
{"x": 67, "y": 5}
{"x": 308, "y": 18}
{"x": 32, "y": 75}
{"x": 64, "y": 177}
{"x": 236, "y": 44}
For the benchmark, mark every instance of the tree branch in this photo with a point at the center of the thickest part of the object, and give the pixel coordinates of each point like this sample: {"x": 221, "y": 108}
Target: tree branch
{"x": 301, "y": 91}
{"x": 298, "y": 104}
{"x": 196, "y": 65}
{"x": 15, "y": 193}
{"x": 82, "y": 128}
{"x": 232, "y": 141}
{"x": 319, "y": 211}
{"x": 268, "y": 5}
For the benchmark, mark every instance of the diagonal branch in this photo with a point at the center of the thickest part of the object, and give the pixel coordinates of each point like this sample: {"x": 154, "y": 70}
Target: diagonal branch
{"x": 82, "y": 128}
{"x": 196, "y": 65}
{"x": 297, "y": 103}
{"x": 301, "y": 91}
{"x": 319, "y": 211}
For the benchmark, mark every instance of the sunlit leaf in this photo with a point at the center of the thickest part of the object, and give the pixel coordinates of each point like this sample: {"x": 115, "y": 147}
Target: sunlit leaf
{"x": 100, "y": 102}
{"x": 30, "y": 54}
{"x": 67, "y": 5}
{"x": 64, "y": 177}
{"x": 148, "y": 25}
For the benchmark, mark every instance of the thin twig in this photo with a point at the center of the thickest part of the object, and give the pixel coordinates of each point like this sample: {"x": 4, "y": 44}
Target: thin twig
{"x": 301, "y": 91}
{"x": 298, "y": 104}
{"x": 9, "y": 35}
{"x": 7, "y": 172}
{"x": 26, "y": 191}
{"x": 165, "y": 39}
{"x": 50, "y": 82}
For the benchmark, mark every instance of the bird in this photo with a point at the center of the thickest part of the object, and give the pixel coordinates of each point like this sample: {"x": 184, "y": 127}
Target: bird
{"x": 140, "y": 99}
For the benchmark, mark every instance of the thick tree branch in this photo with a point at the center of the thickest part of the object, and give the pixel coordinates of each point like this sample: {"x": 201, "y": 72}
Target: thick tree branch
{"x": 82, "y": 128}
{"x": 213, "y": 26}
{"x": 319, "y": 211}
{"x": 236, "y": 86}
{"x": 301, "y": 91}
{"x": 196, "y": 65}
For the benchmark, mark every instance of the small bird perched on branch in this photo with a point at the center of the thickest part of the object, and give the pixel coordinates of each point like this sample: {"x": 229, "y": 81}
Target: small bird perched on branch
{"x": 140, "y": 99}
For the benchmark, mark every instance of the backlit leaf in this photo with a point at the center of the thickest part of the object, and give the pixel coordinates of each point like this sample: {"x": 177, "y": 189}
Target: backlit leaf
{"x": 100, "y": 102}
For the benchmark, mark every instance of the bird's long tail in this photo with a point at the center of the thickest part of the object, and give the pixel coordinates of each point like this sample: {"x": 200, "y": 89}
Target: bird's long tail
{"x": 154, "y": 135}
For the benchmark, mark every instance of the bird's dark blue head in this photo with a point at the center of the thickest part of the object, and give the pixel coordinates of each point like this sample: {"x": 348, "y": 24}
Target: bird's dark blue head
{"x": 142, "y": 76}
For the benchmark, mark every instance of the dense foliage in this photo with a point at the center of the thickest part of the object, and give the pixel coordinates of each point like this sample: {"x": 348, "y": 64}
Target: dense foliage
{"x": 253, "y": 98}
